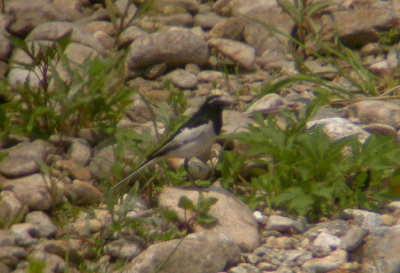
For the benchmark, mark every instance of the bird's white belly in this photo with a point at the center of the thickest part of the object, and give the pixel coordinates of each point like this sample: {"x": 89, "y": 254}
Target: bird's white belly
{"x": 194, "y": 142}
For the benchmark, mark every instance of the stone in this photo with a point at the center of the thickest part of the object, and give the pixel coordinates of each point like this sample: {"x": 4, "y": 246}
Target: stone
{"x": 203, "y": 252}
{"x": 173, "y": 47}
{"x": 11, "y": 255}
{"x": 380, "y": 129}
{"x": 37, "y": 191}
{"x": 86, "y": 227}
{"x": 122, "y": 249}
{"x": 374, "y": 111}
{"x": 46, "y": 228}
{"x": 328, "y": 263}
{"x": 353, "y": 238}
{"x": 102, "y": 161}
{"x": 235, "y": 220}
{"x": 182, "y": 79}
{"x": 365, "y": 219}
{"x": 32, "y": 13}
{"x": 325, "y": 243}
{"x": 7, "y": 237}
{"x": 62, "y": 248}
{"x": 73, "y": 169}
{"x": 268, "y": 103}
{"x": 279, "y": 223}
{"x": 52, "y": 263}
{"x": 11, "y": 208}
{"x": 244, "y": 268}
{"x": 207, "y": 20}
{"x": 26, "y": 234}
{"x": 337, "y": 128}
{"x": 83, "y": 193}
{"x": 129, "y": 35}
{"x": 17, "y": 166}
{"x": 381, "y": 251}
{"x": 80, "y": 151}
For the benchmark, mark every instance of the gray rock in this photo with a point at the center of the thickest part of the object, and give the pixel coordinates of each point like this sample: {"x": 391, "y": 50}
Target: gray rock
{"x": 394, "y": 205}
{"x": 83, "y": 193}
{"x": 365, "y": 219}
{"x": 204, "y": 252}
{"x": 32, "y": 13}
{"x": 173, "y": 47}
{"x": 231, "y": 28}
{"x": 380, "y": 129}
{"x": 374, "y": 111}
{"x": 235, "y": 220}
{"x": 183, "y": 79}
{"x": 62, "y": 248}
{"x": 26, "y": 234}
{"x": 122, "y": 249}
{"x": 325, "y": 264}
{"x": 11, "y": 208}
{"x": 52, "y": 263}
{"x": 4, "y": 268}
{"x": 129, "y": 35}
{"x": 38, "y": 192}
{"x": 207, "y": 20}
{"x": 337, "y": 128}
{"x": 279, "y": 223}
{"x": 74, "y": 169}
{"x": 325, "y": 243}
{"x": 382, "y": 251}
{"x": 268, "y": 103}
{"x": 102, "y": 162}
{"x": 7, "y": 237}
{"x": 11, "y": 255}
{"x": 238, "y": 52}
{"x": 244, "y": 268}
{"x": 353, "y": 238}
{"x": 22, "y": 158}
{"x": 46, "y": 227}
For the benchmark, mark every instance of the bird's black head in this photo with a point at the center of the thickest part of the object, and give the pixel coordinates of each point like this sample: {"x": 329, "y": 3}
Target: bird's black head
{"x": 217, "y": 101}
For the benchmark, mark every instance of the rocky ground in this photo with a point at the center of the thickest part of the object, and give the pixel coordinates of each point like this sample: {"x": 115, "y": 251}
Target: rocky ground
{"x": 53, "y": 213}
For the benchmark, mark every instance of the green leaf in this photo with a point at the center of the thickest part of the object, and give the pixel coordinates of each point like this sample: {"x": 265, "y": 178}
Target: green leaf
{"x": 185, "y": 203}
{"x": 206, "y": 220}
{"x": 204, "y": 203}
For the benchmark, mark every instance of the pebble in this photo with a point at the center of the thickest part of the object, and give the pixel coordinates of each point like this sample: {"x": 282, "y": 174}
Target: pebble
{"x": 46, "y": 228}
{"x": 122, "y": 249}
{"x": 328, "y": 263}
{"x": 279, "y": 223}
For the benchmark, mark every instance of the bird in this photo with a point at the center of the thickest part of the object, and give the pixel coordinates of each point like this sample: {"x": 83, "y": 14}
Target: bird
{"x": 192, "y": 138}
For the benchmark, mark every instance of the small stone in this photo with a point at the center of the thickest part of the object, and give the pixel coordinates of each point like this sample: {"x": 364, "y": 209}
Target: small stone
{"x": 46, "y": 227}
{"x": 183, "y": 79}
{"x": 284, "y": 242}
{"x": 10, "y": 207}
{"x": 279, "y": 223}
{"x": 326, "y": 242}
{"x": 52, "y": 263}
{"x": 122, "y": 249}
{"x": 388, "y": 220}
{"x": 328, "y": 263}
{"x": 244, "y": 268}
{"x": 365, "y": 219}
{"x": 11, "y": 255}
{"x": 82, "y": 193}
{"x": 26, "y": 234}
{"x": 63, "y": 248}
{"x": 394, "y": 205}
{"x": 87, "y": 226}
{"x": 75, "y": 170}
{"x": 7, "y": 238}
{"x": 263, "y": 266}
{"x": 80, "y": 151}
{"x": 353, "y": 238}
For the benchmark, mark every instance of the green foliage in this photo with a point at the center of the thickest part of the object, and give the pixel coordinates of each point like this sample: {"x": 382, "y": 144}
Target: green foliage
{"x": 88, "y": 95}
{"x": 199, "y": 211}
{"x": 35, "y": 266}
{"x": 313, "y": 176}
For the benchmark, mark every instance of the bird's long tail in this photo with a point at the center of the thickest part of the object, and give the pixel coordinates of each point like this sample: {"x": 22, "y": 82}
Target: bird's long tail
{"x": 135, "y": 172}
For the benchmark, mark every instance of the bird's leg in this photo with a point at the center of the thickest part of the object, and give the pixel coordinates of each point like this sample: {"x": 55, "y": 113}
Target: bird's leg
{"x": 186, "y": 167}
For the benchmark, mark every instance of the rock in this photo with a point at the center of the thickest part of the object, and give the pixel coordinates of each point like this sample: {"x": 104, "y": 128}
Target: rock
{"x": 182, "y": 79}
{"x": 279, "y": 223}
{"x": 173, "y": 47}
{"x": 80, "y": 152}
{"x": 32, "y": 13}
{"x": 11, "y": 255}
{"x": 171, "y": 6}
{"x": 46, "y": 228}
{"x": 129, "y": 35}
{"x": 394, "y": 205}
{"x": 11, "y": 208}
{"x": 353, "y": 238}
{"x": 22, "y": 158}
{"x": 325, "y": 264}
{"x": 337, "y": 128}
{"x": 365, "y": 219}
{"x": 7, "y": 238}
{"x": 267, "y": 104}
{"x": 204, "y": 252}
{"x": 37, "y": 191}
{"x": 235, "y": 220}
{"x": 244, "y": 268}
{"x": 231, "y": 28}
{"x": 238, "y": 52}
{"x": 85, "y": 227}
{"x": 82, "y": 193}
{"x": 381, "y": 252}
{"x": 207, "y": 20}
{"x": 325, "y": 243}
{"x": 72, "y": 168}
{"x": 62, "y": 248}
{"x": 367, "y": 112}
{"x": 5, "y": 48}
{"x": 26, "y": 234}
{"x": 122, "y": 249}
{"x": 52, "y": 263}
{"x": 102, "y": 161}
{"x": 380, "y": 129}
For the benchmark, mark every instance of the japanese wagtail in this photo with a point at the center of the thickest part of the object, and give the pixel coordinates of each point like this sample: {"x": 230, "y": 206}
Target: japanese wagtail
{"x": 192, "y": 139}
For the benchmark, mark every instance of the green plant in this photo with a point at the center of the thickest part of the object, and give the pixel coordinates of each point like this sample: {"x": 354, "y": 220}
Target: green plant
{"x": 199, "y": 212}
{"x": 313, "y": 176}
{"x": 90, "y": 96}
